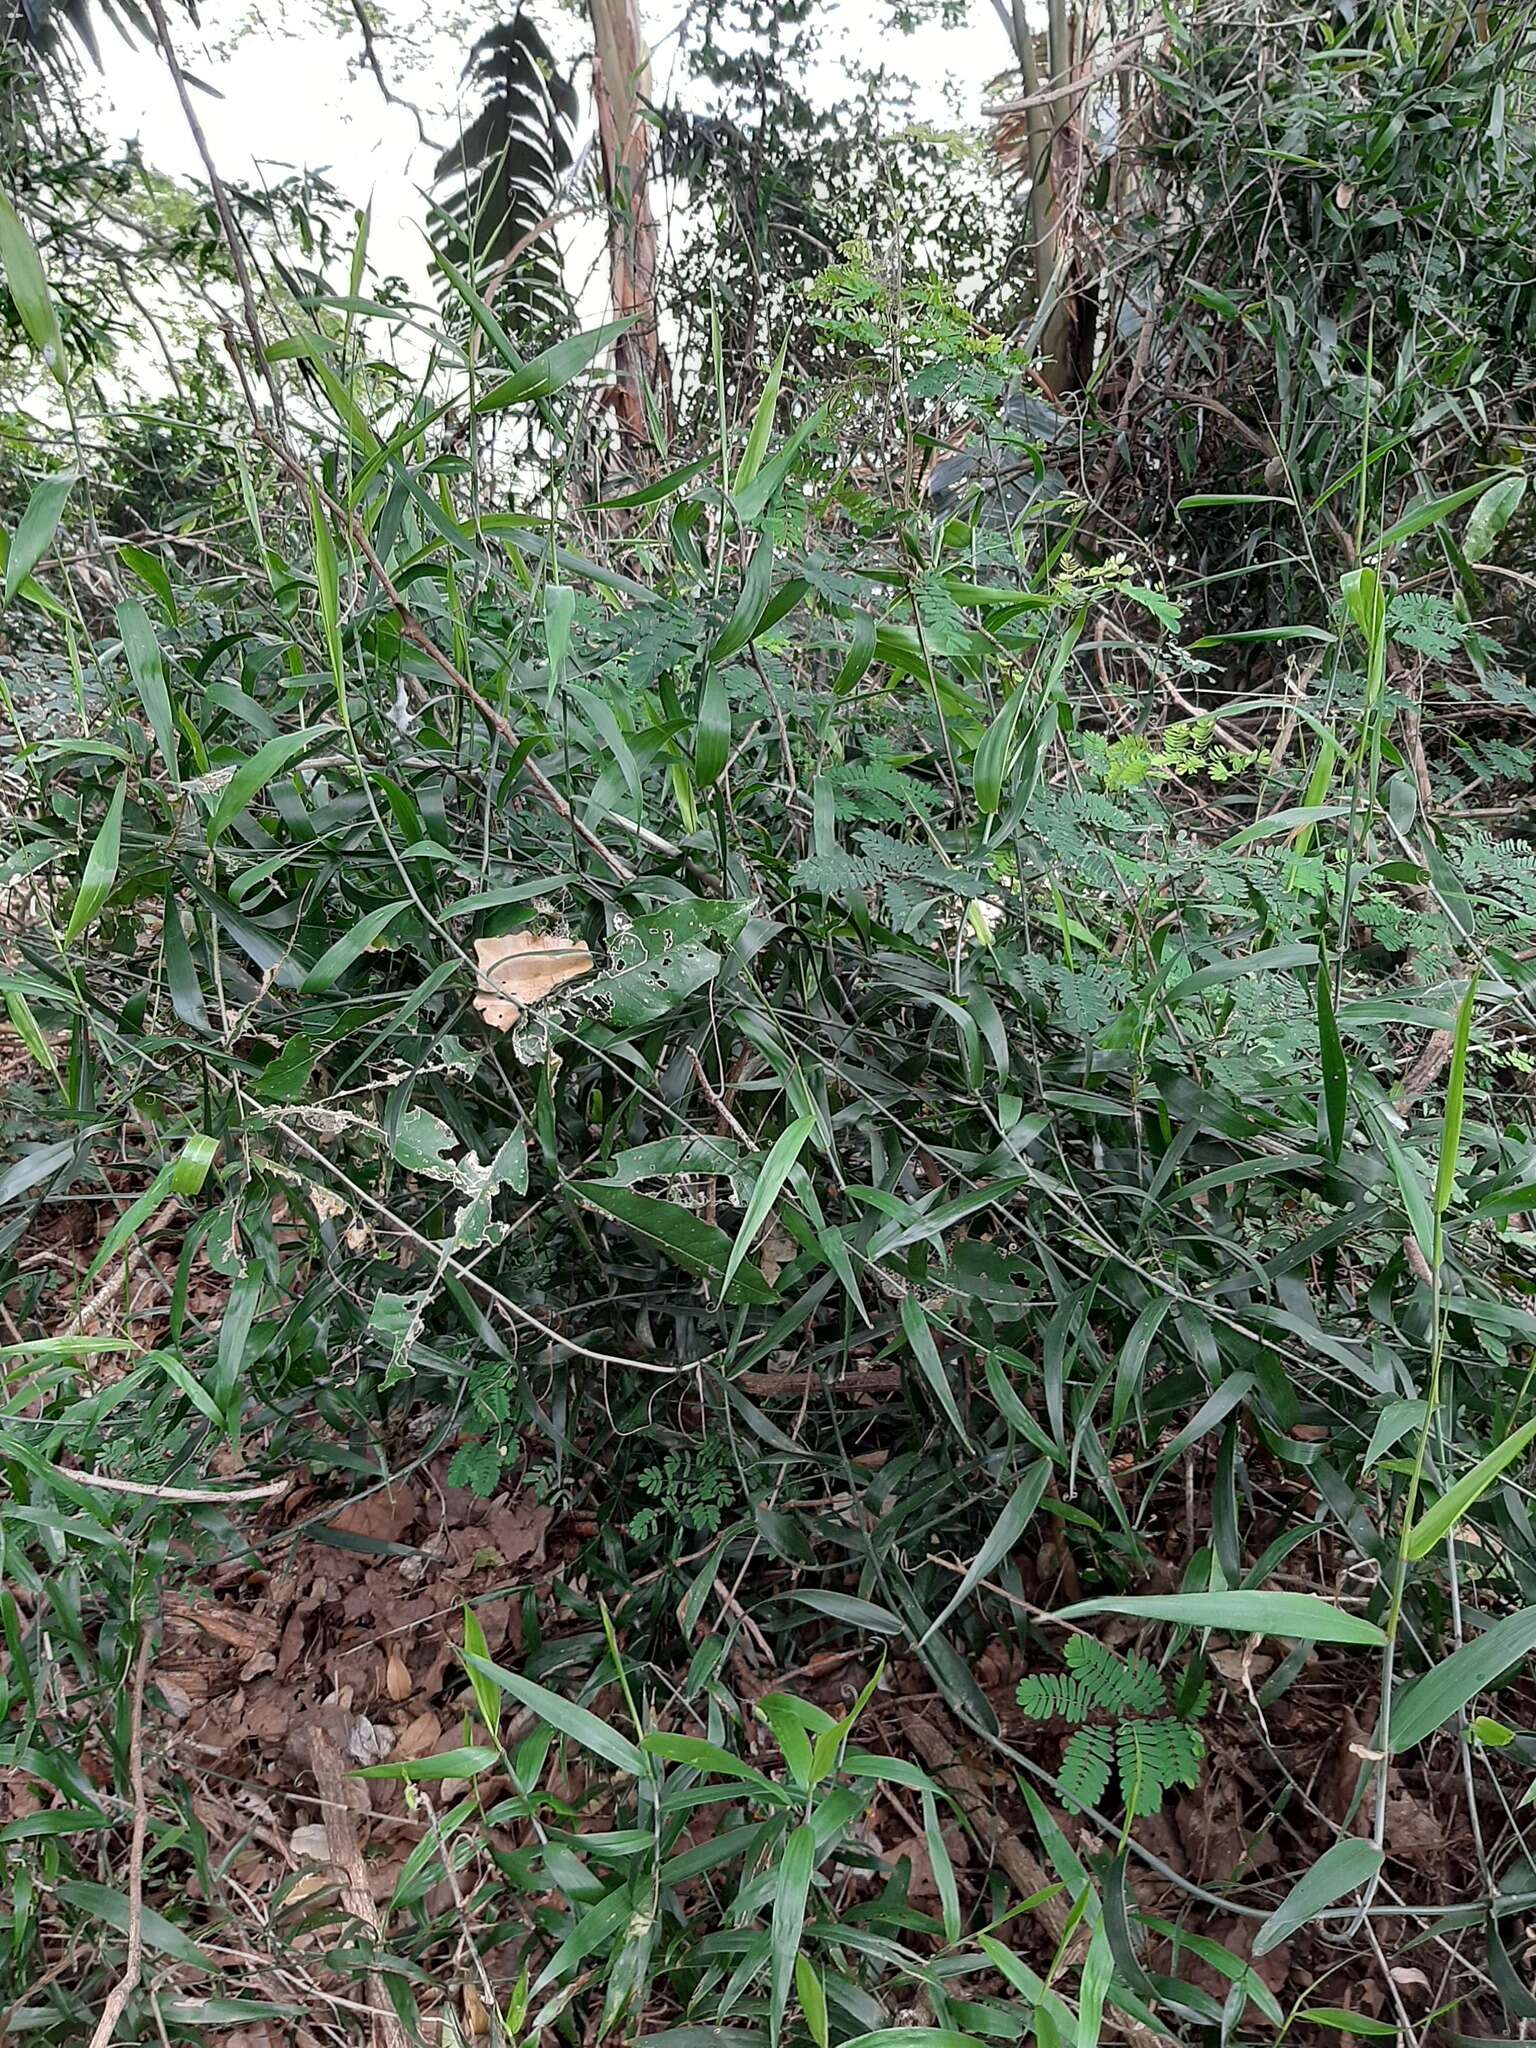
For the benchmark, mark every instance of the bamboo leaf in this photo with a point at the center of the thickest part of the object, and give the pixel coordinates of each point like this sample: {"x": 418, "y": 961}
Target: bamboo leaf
{"x": 148, "y": 672}
{"x": 100, "y": 874}
{"x": 35, "y": 529}
{"x": 794, "y": 1881}
{"x": 1338, "y": 1871}
{"x": 776, "y": 1169}
{"x": 1301, "y": 1616}
{"x": 28, "y": 287}
{"x": 1437, "y": 1522}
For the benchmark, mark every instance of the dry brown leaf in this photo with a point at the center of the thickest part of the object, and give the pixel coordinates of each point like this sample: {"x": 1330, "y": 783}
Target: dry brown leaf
{"x": 522, "y": 968}
{"x": 419, "y": 1738}
{"x": 397, "y": 1677}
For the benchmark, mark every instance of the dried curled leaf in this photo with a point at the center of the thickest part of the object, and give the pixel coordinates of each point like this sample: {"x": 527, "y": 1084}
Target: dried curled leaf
{"x": 522, "y": 968}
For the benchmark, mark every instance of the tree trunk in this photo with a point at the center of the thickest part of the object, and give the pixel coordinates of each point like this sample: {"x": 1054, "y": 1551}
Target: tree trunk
{"x": 621, "y": 82}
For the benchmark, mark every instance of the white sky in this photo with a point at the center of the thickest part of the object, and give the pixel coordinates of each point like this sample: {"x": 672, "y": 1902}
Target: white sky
{"x": 296, "y": 95}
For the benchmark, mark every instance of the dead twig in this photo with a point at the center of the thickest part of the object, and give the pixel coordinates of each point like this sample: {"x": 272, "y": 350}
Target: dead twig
{"x": 343, "y": 1850}
{"x": 205, "y": 1496}
{"x": 133, "y": 1964}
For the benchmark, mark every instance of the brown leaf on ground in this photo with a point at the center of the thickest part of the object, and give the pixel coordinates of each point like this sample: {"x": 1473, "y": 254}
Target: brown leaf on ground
{"x": 384, "y": 1517}
{"x": 1413, "y": 1833}
{"x": 522, "y": 968}
{"x": 1341, "y": 1778}
{"x": 1210, "y": 1825}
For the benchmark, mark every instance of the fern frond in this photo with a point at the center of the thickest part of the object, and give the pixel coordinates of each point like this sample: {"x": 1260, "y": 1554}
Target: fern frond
{"x": 1086, "y": 1764}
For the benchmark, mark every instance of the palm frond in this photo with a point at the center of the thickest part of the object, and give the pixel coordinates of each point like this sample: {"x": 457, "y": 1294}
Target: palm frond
{"x": 499, "y": 181}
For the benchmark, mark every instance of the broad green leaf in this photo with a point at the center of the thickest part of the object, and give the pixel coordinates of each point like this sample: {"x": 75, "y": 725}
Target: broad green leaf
{"x": 1269, "y": 960}
{"x": 113, "y": 1909}
{"x": 1437, "y": 1522}
{"x": 914, "y": 1324}
{"x": 991, "y": 759}
{"x": 1331, "y": 1057}
{"x": 712, "y": 742}
{"x": 328, "y": 590}
{"x": 848, "y": 1608}
{"x": 431, "y": 1770}
{"x": 750, "y": 605}
{"x": 776, "y": 1169}
{"x": 336, "y": 959}
{"x": 35, "y": 1167}
{"x": 148, "y": 672}
{"x": 1433, "y": 512}
{"x": 253, "y": 775}
{"x": 1301, "y": 1616}
{"x": 151, "y": 572}
{"x": 698, "y": 1247}
{"x": 700, "y": 1755}
{"x": 100, "y": 874}
{"x": 29, "y": 587}
{"x": 813, "y": 2001}
{"x": 1392, "y": 1425}
{"x": 29, "y": 1031}
{"x": 29, "y": 292}
{"x": 543, "y": 375}
{"x": 36, "y": 528}
{"x": 943, "y": 1870}
{"x": 1490, "y": 515}
{"x": 792, "y": 1884}
{"x": 762, "y": 424}
{"x": 1342, "y": 2021}
{"x": 190, "y": 1167}
{"x": 1427, "y": 1703}
{"x": 575, "y": 1723}
{"x": 915, "y": 2037}
{"x": 753, "y": 500}
{"x": 1411, "y": 1191}
{"x": 1337, "y": 1872}
{"x": 1017, "y": 1514}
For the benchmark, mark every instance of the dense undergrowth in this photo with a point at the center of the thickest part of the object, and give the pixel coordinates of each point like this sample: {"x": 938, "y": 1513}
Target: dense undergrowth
{"x": 945, "y": 1100}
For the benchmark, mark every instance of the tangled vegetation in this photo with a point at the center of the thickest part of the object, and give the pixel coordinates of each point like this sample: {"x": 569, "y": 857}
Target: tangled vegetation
{"x": 766, "y": 1253}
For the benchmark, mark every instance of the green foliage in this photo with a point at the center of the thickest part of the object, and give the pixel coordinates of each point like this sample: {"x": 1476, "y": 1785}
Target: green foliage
{"x": 958, "y": 1113}
{"x": 1146, "y": 1756}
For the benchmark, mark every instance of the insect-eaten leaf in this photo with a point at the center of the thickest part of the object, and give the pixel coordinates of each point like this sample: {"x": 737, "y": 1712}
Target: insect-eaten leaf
{"x": 522, "y": 968}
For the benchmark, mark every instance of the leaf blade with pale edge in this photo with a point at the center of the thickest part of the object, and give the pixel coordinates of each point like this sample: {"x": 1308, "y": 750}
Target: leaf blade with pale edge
{"x": 775, "y": 1171}
{"x": 28, "y": 287}
{"x": 100, "y": 874}
{"x": 914, "y": 1324}
{"x": 1341, "y": 1869}
{"x": 148, "y": 671}
{"x": 1300, "y": 1616}
{"x": 1006, "y": 1531}
{"x": 788, "y": 1919}
{"x": 252, "y": 776}
{"x": 446, "y": 1764}
{"x": 35, "y": 529}
{"x": 698, "y": 1247}
{"x": 576, "y": 1723}
{"x": 335, "y": 960}
{"x": 1427, "y": 1703}
{"x": 1448, "y": 1510}
{"x": 914, "y": 2037}
{"x": 543, "y": 375}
